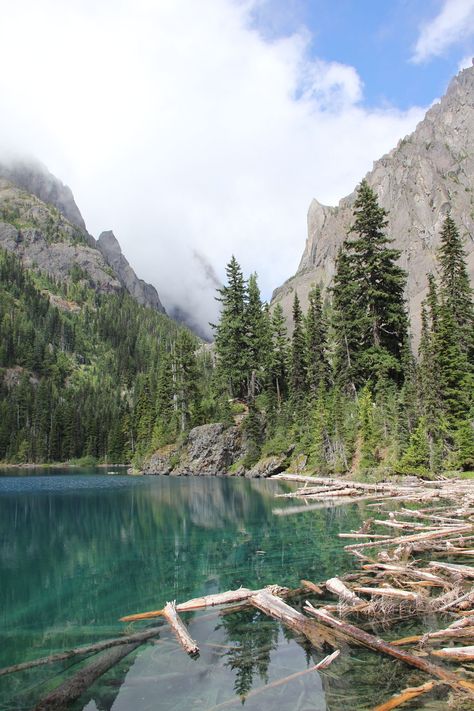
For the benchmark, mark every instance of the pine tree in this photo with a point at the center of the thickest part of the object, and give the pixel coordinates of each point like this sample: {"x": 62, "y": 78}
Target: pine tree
{"x": 316, "y": 342}
{"x": 369, "y": 292}
{"x": 278, "y": 361}
{"x": 298, "y": 379}
{"x": 456, "y": 289}
{"x": 256, "y": 337}
{"x": 231, "y": 332}
{"x": 186, "y": 378}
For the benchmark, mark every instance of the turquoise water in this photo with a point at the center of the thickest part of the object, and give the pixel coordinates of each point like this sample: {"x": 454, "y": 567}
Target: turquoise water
{"x": 78, "y": 551}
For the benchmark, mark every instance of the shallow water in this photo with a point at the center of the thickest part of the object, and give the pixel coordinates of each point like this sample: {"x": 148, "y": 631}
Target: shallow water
{"x": 77, "y": 551}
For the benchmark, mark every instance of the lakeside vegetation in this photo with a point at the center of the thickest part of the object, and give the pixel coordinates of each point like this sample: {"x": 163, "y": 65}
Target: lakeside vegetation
{"x": 94, "y": 375}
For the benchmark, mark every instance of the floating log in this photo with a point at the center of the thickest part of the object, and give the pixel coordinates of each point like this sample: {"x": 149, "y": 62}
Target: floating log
{"x": 406, "y": 570}
{"x": 466, "y": 571}
{"x": 61, "y": 698}
{"x": 389, "y": 592}
{"x": 179, "y": 629}
{"x": 200, "y": 603}
{"x": 83, "y": 651}
{"x": 362, "y": 535}
{"x": 440, "y": 533}
{"x": 380, "y": 645}
{"x": 324, "y": 663}
{"x": 337, "y": 587}
{"x": 407, "y": 695}
{"x": 457, "y": 654}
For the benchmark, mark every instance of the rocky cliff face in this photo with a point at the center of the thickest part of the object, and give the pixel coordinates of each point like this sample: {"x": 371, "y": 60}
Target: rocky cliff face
{"x": 35, "y": 178}
{"x": 41, "y": 223}
{"x": 429, "y": 173}
{"x": 43, "y": 238}
{"x": 144, "y": 293}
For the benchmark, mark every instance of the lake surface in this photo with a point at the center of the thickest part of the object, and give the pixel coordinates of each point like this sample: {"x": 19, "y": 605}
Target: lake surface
{"x": 78, "y": 551}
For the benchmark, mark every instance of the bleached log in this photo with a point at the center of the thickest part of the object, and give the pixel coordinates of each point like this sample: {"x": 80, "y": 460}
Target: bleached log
{"x": 324, "y": 663}
{"x": 389, "y": 592}
{"x": 457, "y": 654}
{"x": 179, "y": 629}
{"x": 466, "y": 571}
{"x": 431, "y": 535}
{"x": 337, "y": 587}
{"x": 200, "y": 603}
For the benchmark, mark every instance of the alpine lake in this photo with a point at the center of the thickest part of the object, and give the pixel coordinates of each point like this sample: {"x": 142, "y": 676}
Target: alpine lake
{"x": 81, "y": 548}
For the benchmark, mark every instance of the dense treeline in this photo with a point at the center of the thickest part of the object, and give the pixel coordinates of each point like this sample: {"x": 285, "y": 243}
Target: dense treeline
{"x": 84, "y": 374}
{"x": 345, "y": 388}
{"x": 81, "y": 373}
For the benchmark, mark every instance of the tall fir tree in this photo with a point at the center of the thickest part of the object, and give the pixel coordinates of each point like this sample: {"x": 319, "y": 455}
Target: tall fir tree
{"x": 298, "y": 380}
{"x": 316, "y": 343}
{"x": 370, "y": 291}
{"x": 231, "y": 336}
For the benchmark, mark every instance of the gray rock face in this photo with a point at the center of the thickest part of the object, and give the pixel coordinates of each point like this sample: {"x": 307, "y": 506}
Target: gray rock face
{"x": 428, "y": 174}
{"x": 42, "y": 237}
{"x": 267, "y": 466}
{"x": 35, "y": 178}
{"x": 144, "y": 293}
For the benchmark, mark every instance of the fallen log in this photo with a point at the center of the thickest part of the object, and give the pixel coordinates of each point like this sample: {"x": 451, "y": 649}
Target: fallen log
{"x": 389, "y": 592}
{"x": 179, "y": 629}
{"x": 61, "y": 698}
{"x": 466, "y": 571}
{"x": 457, "y": 654}
{"x": 337, "y": 587}
{"x": 275, "y": 607}
{"x": 408, "y": 571}
{"x": 362, "y": 535}
{"x": 441, "y": 533}
{"x": 308, "y": 585}
{"x": 200, "y": 603}
{"x": 380, "y": 645}
{"x": 83, "y": 651}
{"x": 407, "y": 695}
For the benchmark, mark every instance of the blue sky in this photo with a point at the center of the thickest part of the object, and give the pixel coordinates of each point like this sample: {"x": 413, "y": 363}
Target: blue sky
{"x": 198, "y": 129}
{"x": 378, "y": 38}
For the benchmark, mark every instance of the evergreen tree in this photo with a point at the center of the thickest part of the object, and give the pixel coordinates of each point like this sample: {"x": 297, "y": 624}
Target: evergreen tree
{"x": 278, "y": 360}
{"x": 298, "y": 379}
{"x": 256, "y": 337}
{"x": 371, "y": 289}
{"x": 186, "y": 379}
{"x": 231, "y": 335}
{"x": 316, "y": 342}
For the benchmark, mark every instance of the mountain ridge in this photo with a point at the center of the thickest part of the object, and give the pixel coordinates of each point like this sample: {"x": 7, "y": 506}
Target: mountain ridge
{"x": 428, "y": 174}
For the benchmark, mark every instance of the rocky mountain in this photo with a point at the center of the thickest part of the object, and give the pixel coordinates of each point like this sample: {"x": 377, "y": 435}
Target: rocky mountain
{"x": 144, "y": 293}
{"x": 428, "y": 174}
{"x": 41, "y": 223}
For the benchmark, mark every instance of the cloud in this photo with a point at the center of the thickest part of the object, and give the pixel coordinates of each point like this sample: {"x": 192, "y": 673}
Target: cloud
{"x": 465, "y": 62}
{"x": 454, "y": 23}
{"x": 184, "y": 129}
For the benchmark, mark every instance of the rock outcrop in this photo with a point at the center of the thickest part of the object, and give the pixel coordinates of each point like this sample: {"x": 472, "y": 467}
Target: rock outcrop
{"x": 41, "y": 223}
{"x": 428, "y": 174}
{"x": 35, "y": 178}
{"x": 44, "y": 239}
{"x": 144, "y": 293}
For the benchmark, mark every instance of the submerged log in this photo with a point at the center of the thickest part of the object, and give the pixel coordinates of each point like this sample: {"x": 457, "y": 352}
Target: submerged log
{"x": 179, "y": 629}
{"x": 380, "y": 645}
{"x": 61, "y": 698}
{"x": 407, "y": 695}
{"x": 83, "y": 651}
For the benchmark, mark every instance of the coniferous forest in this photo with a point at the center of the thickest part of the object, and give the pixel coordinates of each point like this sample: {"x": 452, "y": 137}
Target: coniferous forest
{"x": 88, "y": 375}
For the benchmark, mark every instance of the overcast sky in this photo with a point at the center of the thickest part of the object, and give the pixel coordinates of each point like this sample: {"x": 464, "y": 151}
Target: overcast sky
{"x": 207, "y": 126}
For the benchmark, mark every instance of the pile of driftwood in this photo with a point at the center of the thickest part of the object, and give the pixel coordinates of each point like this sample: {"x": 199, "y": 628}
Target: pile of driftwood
{"x": 405, "y": 570}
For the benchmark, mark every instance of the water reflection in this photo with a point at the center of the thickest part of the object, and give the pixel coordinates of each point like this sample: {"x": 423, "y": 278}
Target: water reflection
{"x": 78, "y": 552}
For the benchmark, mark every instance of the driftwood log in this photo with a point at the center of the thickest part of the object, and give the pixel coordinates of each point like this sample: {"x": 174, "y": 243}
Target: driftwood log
{"x": 179, "y": 629}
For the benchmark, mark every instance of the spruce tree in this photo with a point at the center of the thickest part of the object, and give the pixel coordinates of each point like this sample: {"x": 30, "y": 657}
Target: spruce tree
{"x": 370, "y": 293}
{"x": 257, "y": 335}
{"x": 278, "y": 361}
{"x": 231, "y": 333}
{"x": 298, "y": 379}
{"x": 316, "y": 343}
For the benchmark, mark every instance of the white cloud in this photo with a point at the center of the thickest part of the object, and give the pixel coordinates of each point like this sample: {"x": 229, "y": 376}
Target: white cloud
{"x": 454, "y": 23}
{"x": 465, "y": 62}
{"x": 180, "y": 127}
